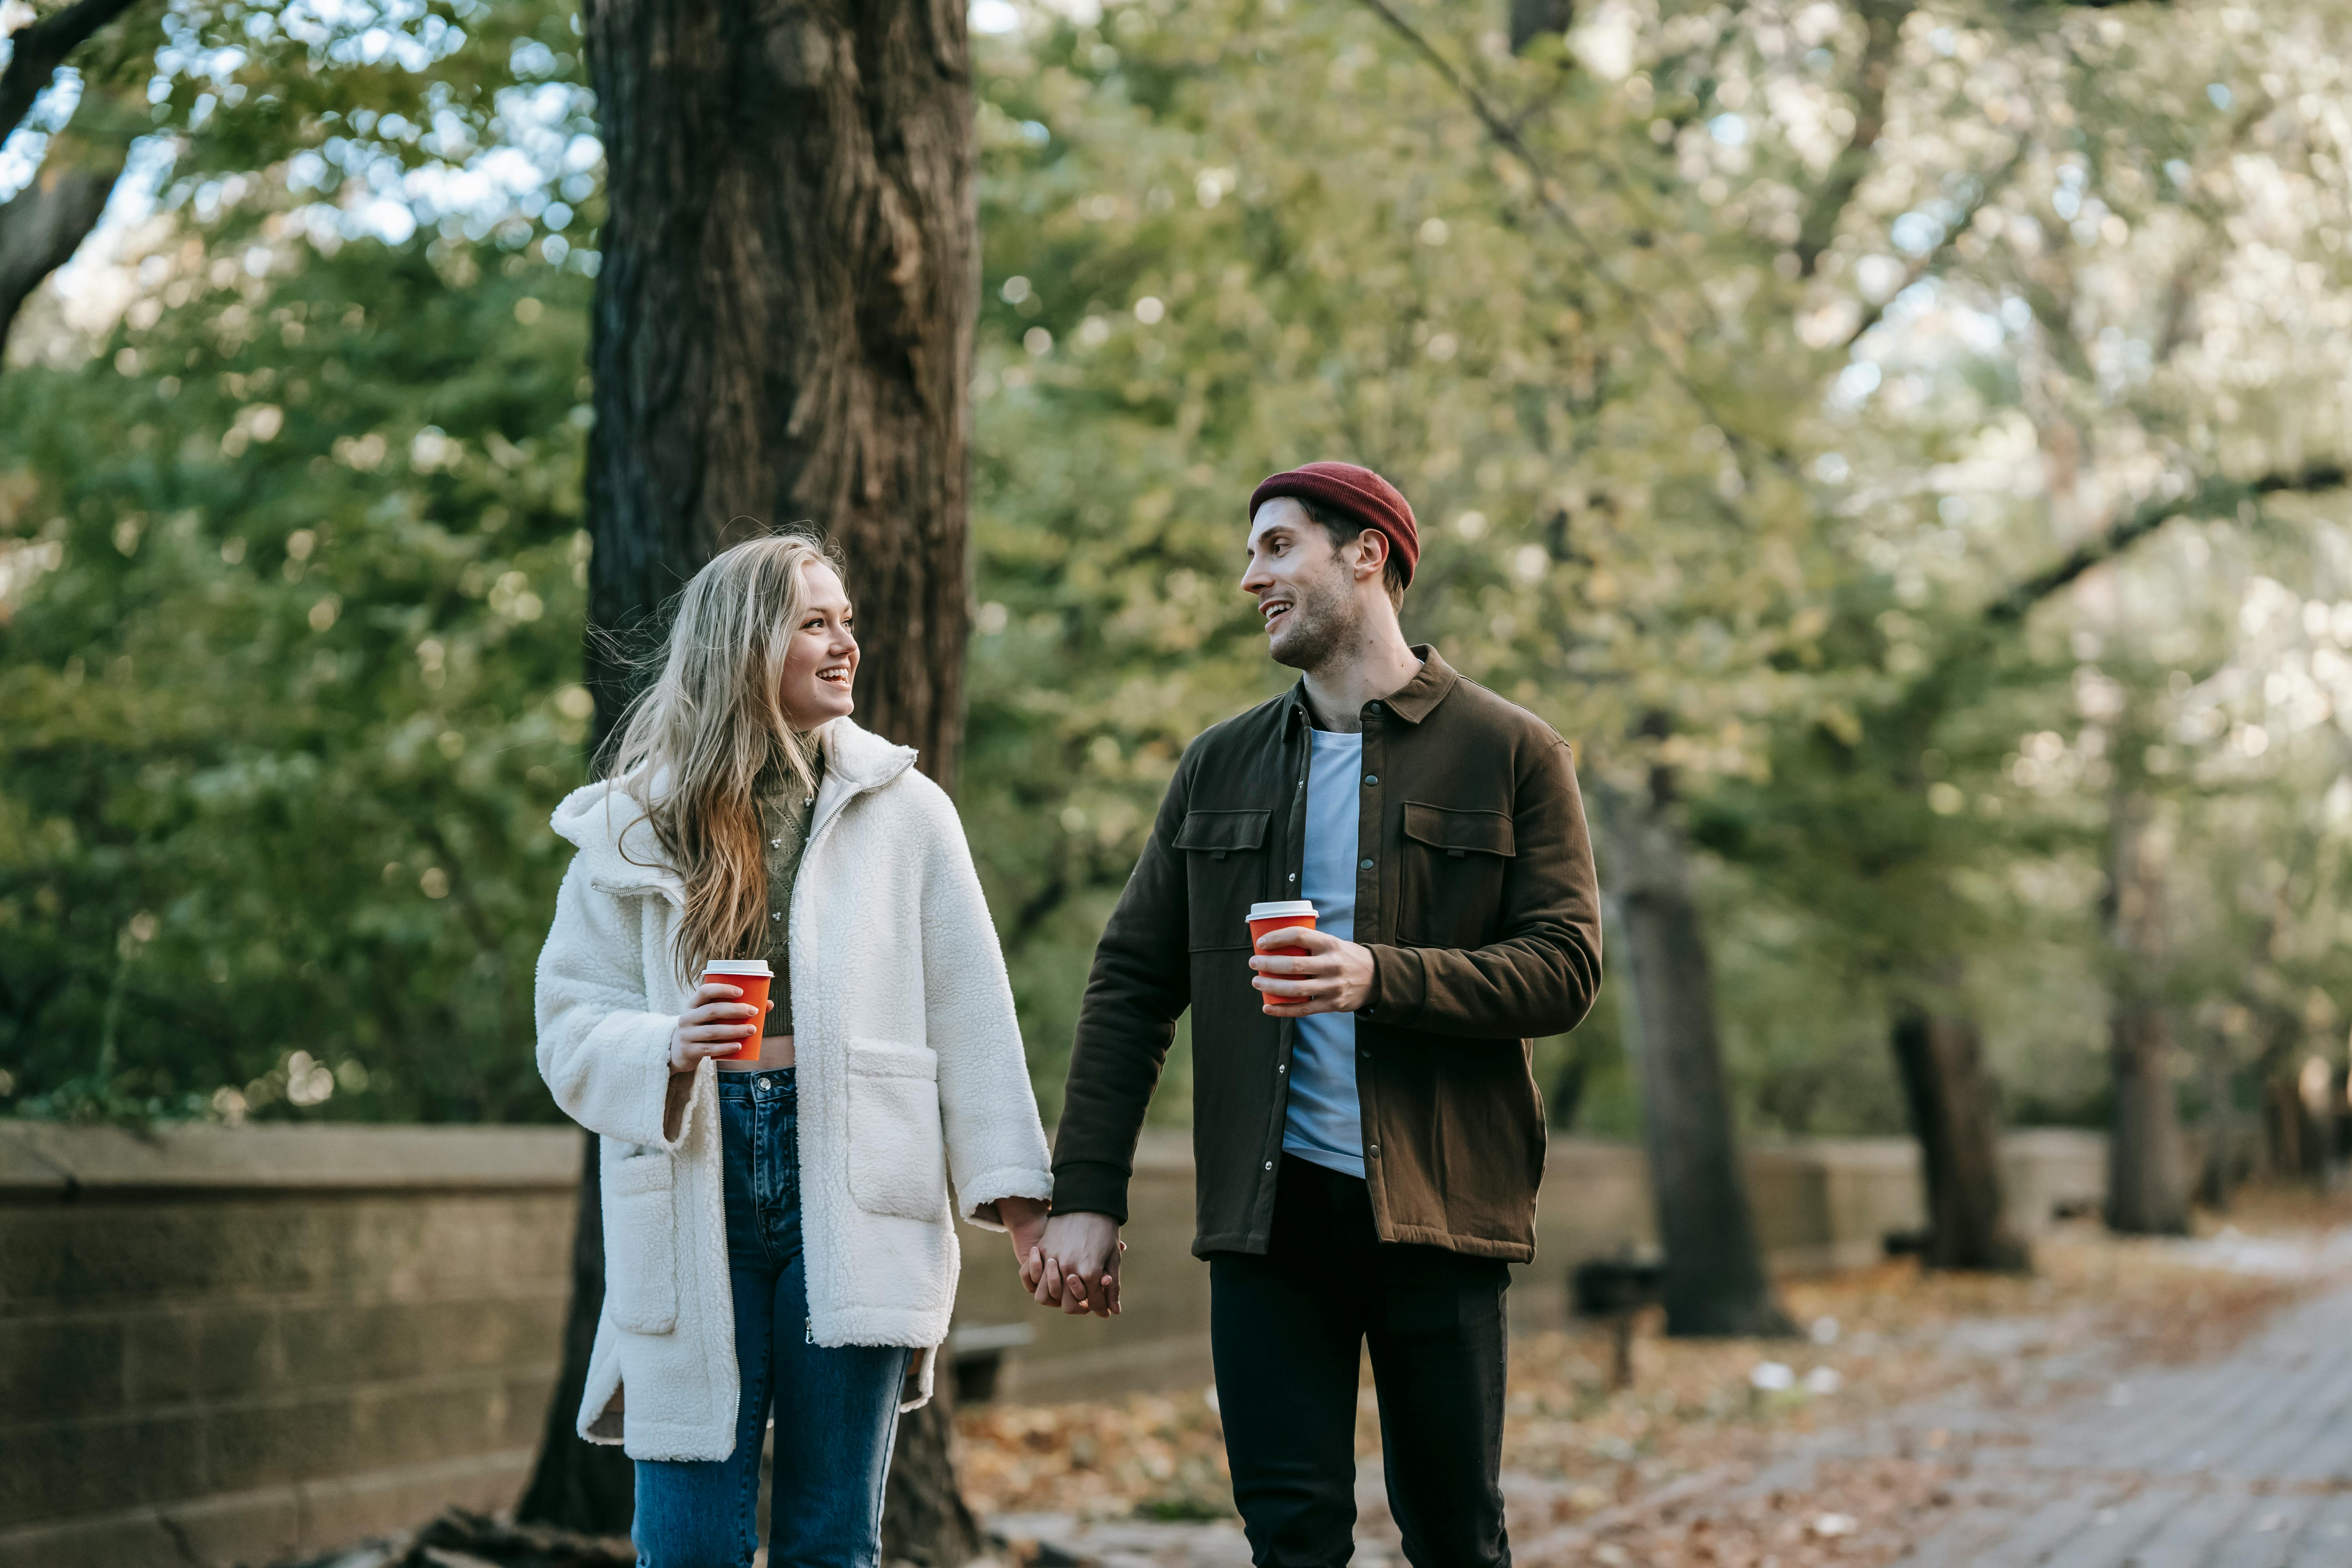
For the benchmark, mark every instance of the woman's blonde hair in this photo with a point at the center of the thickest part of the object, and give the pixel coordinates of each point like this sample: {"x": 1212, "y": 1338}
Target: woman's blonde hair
{"x": 692, "y": 745}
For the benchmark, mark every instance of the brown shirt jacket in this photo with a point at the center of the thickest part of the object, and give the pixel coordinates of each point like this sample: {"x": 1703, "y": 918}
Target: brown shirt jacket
{"x": 1477, "y": 900}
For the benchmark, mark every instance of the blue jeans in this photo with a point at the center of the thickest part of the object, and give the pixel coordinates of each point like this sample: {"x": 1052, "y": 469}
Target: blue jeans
{"x": 836, "y": 1407}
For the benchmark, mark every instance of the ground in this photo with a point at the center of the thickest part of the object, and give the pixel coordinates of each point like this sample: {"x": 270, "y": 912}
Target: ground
{"x": 2132, "y": 1402}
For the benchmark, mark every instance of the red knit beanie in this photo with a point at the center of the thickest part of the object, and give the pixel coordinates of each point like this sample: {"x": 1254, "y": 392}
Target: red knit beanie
{"x": 1359, "y": 493}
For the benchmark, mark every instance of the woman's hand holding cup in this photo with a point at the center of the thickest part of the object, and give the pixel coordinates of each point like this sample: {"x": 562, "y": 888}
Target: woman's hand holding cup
{"x": 716, "y": 1026}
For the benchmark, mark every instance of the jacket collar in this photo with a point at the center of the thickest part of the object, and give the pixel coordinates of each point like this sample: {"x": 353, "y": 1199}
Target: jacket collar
{"x": 620, "y": 855}
{"x": 1413, "y": 702}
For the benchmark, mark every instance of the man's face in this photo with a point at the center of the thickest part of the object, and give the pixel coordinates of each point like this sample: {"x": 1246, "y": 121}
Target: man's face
{"x": 1305, "y": 586}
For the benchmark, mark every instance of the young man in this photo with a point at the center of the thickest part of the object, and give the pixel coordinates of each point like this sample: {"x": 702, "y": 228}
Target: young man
{"x": 1366, "y": 1135}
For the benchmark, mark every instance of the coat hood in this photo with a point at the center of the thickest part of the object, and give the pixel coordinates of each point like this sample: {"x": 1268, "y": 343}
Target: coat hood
{"x": 619, "y": 853}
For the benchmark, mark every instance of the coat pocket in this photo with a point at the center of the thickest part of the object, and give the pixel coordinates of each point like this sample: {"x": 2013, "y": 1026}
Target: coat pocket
{"x": 640, "y": 1243}
{"x": 897, "y": 1152}
{"x": 1224, "y": 874}
{"x": 1456, "y": 865}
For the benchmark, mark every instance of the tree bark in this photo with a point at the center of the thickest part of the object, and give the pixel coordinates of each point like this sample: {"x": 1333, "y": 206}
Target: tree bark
{"x": 1952, "y": 1110}
{"x": 783, "y": 318}
{"x": 587, "y": 1487}
{"x": 788, "y": 284}
{"x": 924, "y": 1520}
{"x": 43, "y": 225}
{"x": 1713, "y": 1282}
{"x": 2147, "y": 1181}
{"x": 40, "y": 228}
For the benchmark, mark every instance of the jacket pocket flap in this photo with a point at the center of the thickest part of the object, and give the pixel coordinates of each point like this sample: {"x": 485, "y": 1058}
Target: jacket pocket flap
{"x": 652, "y": 1172}
{"x": 1455, "y": 832}
{"x": 889, "y": 1058}
{"x": 1219, "y": 832}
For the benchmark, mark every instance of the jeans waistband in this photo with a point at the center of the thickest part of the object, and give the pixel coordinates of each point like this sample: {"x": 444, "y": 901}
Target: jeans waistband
{"x": 769, "y": 1083}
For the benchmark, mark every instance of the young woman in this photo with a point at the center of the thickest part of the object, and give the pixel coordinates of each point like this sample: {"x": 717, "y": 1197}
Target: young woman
{"x": 776, "y": 1233}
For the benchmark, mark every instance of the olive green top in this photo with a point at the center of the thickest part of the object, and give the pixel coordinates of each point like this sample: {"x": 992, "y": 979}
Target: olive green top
{"x": 785, "y": 809}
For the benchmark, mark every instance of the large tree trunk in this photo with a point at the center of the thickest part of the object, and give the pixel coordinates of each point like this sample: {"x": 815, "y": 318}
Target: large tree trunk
{"x": 1713, "y": 1281}
{"x": 587, "y": 1487}
{"x": 783, "y": 334}
{"x": 2148, "y": 1179}
{"x": 1952, "y": 1112}
{"x": 924, "y": 1520}
{"x": 790, "y": 279}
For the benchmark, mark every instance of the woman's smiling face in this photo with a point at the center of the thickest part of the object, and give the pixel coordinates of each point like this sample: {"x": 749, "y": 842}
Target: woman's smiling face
{"x": 822, "y": 661}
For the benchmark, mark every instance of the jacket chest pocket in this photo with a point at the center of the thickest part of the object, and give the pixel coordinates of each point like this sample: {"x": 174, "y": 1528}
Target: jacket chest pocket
{"x": 640, "y": 1242}
{"x": 1224, "y": 874}
{"x": 1455, "y": 865}
{"x": 897, "y": 1152}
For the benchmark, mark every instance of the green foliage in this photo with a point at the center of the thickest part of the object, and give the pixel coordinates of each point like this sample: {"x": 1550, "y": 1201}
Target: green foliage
{"x": 1725, "y": 426}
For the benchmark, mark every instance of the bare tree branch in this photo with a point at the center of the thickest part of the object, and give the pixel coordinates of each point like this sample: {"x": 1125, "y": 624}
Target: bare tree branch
{"x": 2215, "y": 498}
{"x": 1873, "y": 314}
{"x": 1883, "y": 19}
{"x": 41, "y": 226}
{"x": 42, "y": 48}
{"x": 1506, "y": 135}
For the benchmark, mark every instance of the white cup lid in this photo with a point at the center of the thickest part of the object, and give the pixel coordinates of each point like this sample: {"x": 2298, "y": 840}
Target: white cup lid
{"x": 737, "y": 967}
{"x": 1286, "y": 907}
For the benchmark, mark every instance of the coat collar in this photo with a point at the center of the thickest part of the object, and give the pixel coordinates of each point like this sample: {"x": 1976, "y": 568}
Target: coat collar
{"x": 1412, "y": 702}
{"x": 616, "y": 840}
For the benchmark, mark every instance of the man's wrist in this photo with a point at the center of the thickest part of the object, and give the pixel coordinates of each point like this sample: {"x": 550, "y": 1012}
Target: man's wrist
{"x": 1091, "y": 1186}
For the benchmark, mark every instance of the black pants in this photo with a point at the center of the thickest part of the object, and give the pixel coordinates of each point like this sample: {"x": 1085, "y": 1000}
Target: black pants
{"x": 1289, "y": 1329}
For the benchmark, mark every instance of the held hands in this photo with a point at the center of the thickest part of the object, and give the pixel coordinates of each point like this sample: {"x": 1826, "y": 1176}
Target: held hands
{"x": 1024, "y": 1226}
{"x": 1075, "y": 1266}
{"x": 1334, "y": 976}
{"x": 716, "y": 1026}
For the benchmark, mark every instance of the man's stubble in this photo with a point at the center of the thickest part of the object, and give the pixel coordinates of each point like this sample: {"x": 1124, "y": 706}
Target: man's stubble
{"x": 1324, "y": 622}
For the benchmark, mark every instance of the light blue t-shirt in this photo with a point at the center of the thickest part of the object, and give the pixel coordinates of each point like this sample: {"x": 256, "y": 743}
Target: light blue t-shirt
{"x": 1325, "y": 1123}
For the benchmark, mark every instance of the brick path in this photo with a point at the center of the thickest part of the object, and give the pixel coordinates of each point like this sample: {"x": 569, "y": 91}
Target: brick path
{"x": 2242, "y": 1462}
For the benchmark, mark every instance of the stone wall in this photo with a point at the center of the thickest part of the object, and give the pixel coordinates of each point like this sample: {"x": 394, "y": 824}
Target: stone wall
{"x": 227, "y": 1346}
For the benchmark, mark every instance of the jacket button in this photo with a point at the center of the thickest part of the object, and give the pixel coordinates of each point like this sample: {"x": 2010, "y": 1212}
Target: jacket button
{"x": 1269, "y": 1165}
{"x": 1371, "y": 707}
{"x": 1363, "y": 865}
{"x": 1370, "y": 779}
{"x": 1374, "y": 1150}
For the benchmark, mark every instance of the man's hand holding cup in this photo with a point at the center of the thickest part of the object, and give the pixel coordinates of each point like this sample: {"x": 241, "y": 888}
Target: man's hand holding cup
{"x": 1300, "y": 970}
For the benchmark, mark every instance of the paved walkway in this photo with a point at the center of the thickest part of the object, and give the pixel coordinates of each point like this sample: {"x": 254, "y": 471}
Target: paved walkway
{"x": 2242, "y": 1462}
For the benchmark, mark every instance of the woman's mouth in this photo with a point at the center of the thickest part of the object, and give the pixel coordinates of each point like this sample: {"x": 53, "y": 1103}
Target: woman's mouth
{"x": 835, "y": 675}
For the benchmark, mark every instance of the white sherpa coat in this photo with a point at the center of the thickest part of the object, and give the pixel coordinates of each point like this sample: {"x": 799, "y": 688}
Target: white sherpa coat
{"x": 909, "y": 1068}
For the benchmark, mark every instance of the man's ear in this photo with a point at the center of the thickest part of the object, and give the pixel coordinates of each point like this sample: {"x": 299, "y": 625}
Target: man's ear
{"x": 1372, "y": 552}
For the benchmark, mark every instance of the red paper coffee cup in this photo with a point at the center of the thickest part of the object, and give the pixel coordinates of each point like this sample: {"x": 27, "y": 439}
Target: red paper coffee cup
{"x": 1281, "y": 916}
{"x": 752, "y": 977}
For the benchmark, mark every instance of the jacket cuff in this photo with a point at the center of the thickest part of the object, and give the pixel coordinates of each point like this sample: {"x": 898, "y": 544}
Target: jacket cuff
{"x": 1009, "y": 1181}
{"x": 1400, "y": 985}
{"x": 1091, "y": 1186}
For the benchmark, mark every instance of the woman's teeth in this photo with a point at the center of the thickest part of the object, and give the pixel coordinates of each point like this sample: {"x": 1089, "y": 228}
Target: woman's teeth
{"x": 838, "y": 675}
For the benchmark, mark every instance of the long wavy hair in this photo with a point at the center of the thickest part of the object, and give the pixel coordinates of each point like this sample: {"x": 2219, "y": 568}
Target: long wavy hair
{"x": 692, "y": 745}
